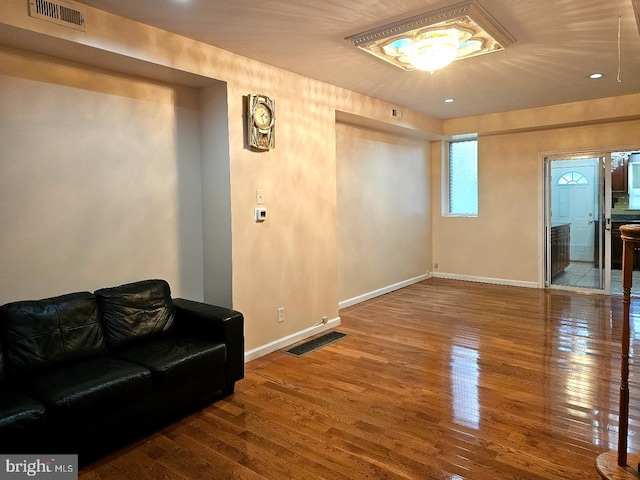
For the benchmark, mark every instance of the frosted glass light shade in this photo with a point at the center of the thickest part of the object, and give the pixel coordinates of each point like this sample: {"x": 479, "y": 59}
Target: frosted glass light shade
{"x": 433, "y": 50}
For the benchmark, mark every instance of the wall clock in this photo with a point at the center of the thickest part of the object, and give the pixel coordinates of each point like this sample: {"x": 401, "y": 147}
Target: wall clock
{"x": 261, "y": 122}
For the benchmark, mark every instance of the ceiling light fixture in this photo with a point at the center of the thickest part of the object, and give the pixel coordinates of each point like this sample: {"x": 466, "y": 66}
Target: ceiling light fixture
{"x": 448, "y": 100}
{"x": 433, "y": 50}
{"x": 433, "y": 40}
{"x": 596, "y": 75}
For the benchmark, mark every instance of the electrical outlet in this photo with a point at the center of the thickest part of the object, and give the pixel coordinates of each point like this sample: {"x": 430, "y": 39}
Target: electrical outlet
{"x": 281, "y": 315}
{"x": 325, "y": 320}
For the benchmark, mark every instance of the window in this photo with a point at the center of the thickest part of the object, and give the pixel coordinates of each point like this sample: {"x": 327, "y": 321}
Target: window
{"x": 573, "y": 178}
{"x": 463, "y": 178}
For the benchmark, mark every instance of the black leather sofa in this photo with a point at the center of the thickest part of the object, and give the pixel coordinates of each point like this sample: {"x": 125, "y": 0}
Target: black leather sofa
{"x": 83, "y": 371}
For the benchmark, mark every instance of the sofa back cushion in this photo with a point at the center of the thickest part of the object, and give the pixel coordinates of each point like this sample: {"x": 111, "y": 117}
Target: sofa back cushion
{"x": 135, "y": 311}
{"x": 39, "y": 334}
{"x": 1, "y": 366}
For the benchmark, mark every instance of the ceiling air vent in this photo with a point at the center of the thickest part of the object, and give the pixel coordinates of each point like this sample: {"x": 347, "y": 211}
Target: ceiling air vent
{"x": 58, "y": 12}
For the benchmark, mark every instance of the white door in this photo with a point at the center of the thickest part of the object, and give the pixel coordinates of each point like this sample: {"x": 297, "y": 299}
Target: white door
{"x": 573, "y": 192}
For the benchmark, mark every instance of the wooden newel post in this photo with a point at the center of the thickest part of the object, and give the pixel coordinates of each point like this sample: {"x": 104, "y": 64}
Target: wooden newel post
{"x": 631, "y": 239}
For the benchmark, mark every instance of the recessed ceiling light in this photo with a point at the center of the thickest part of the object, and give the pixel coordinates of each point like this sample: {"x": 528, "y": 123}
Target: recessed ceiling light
{"x": 448, "y": 100}
{"x": 596, "y": 75}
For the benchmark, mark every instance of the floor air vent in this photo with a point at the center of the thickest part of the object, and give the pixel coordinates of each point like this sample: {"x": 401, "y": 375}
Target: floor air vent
{"x": 315, "y": 344}
{"x": 58, "y": 12}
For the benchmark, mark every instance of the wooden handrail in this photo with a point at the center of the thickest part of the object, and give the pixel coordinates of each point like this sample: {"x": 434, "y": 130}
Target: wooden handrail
{"x": 631, "y": 239}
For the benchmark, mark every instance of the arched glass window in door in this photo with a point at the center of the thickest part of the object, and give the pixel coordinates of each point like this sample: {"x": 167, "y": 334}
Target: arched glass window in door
{"x": 573, "y": 178}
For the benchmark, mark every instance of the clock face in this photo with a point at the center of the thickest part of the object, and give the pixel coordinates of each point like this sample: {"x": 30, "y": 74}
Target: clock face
{"x": 262, "y": 116}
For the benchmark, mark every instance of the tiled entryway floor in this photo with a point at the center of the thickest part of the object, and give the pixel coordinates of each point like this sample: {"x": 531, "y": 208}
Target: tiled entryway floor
{"x": 616, "y": 283}
{"x": 583, "y": 274}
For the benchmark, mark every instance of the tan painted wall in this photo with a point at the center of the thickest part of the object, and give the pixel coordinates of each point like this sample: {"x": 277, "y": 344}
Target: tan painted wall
{"x": 289, "y": 261}
{"x": 602, "y": 110}
{"x": 384, "y": 212}
{"x": 505, "y": 241}
{"x": 98, "y": 185}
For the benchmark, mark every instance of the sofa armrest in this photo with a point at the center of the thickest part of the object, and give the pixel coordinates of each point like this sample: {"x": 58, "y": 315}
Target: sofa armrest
{"x": 224, "y": 324}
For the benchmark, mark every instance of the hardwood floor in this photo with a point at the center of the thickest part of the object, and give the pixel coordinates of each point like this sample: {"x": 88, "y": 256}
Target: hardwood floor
{"x": 440, "y": 380}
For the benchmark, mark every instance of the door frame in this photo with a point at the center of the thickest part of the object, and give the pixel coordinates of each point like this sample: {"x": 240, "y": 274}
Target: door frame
{"x": 604, "y": 217}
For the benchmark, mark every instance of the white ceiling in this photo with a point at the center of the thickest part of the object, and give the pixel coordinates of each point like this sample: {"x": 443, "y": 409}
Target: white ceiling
{"x": 559, "y": 43}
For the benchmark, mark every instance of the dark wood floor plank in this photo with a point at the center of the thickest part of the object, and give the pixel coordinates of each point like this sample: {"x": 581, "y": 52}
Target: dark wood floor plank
{"x": 441, "y": 380}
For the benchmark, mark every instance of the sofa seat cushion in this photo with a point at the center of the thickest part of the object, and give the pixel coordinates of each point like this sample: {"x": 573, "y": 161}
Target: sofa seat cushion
{"x": 173, "y": 360}
{"x": 92, "y": 387}
{"x": 18, "y": 411}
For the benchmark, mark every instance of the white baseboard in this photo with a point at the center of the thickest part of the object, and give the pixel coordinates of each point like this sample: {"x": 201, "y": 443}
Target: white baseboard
{"x": 381, "y": 291}
{"x": 334, "y": 322}
{"x": 290, "y": 339}
{"x": 495, "y": 281}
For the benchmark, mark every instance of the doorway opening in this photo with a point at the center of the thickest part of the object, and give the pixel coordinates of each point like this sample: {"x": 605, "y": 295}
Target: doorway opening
{"x": 587, "y": 198}
{"x": 576, "y": 214}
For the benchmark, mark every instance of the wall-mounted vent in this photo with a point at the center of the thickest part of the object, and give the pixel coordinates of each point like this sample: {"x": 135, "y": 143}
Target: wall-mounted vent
{"x": 58, "y": 12}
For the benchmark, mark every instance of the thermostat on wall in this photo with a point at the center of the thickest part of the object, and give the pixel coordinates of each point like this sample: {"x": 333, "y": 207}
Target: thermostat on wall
{"x": 261, "y": 214}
